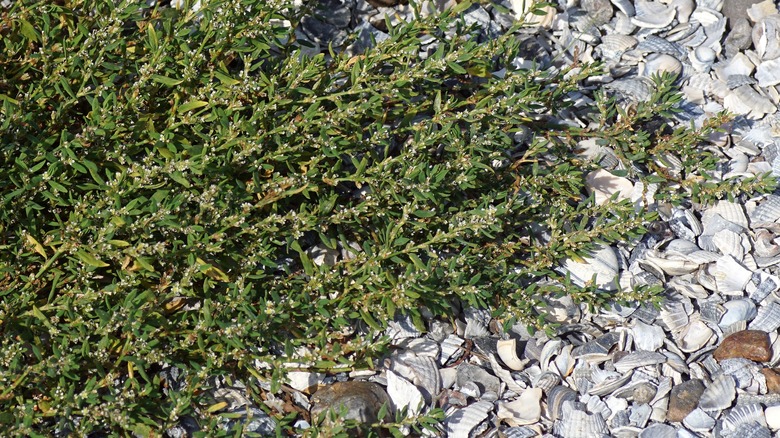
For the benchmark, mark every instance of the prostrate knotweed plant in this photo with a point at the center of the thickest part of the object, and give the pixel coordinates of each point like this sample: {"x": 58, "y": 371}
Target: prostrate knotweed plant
{"x": 184, "y": 190}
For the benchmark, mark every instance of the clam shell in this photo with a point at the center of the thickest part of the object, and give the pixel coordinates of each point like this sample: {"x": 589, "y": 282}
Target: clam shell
{"x": 730, "y": 276}
{"x": 768, "y": 73}
{"x": 460, "y": 423}
{"x": 737, "y": 310}
{"x": 659, "y": 63}
{"x": 638, "y": 359}
{"x": 652, "y": 15}
{"x": 702, "y": 58}
{"x": 601, "y": 263}
{"x": 735, "y": 81}
{"x": 695, "y": 336}
{"x": 766, "y": 37}
{"x": 556, "y": 398}
{"x": 640, "y": 414}
{"x": 760, "y": 10}
{"x": 719, "y": 394}
{"x": 699, "y": 421}
{"x": 674, "y": 316}
{"x": 730, "y": 243}
{"x": 507, "y": 351}
{"x": 685, "y": 224}
{"x": 426, "y": 375}
{"x": 603, "y": 185}
{"x": 505, "y": 376}
{"x": 767, "y": 319}
{"x": 625, "y": 6}
{"x": 526, "y": 409}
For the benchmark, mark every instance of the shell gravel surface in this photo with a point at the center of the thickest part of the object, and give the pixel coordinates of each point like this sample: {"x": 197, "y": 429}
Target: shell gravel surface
{"x": 705, "y": 363}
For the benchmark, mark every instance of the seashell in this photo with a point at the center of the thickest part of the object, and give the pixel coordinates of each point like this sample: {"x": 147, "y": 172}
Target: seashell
{"x": 625, "y": 6}
{"x": 712, "y": 311}
{"x": 652, "y": 14}
{"x": 684, "y": 9}
{"x": 695, "y": 336}
{"x": 768, "y": 73}
{"x": 659, "y": 430}
{"x": 655, "y": 44}
{"x": 547, "y": 380}
{"x": 647, "y": 337}
{"x": 564, "y": 363}
{"x": 638, "y": 89}
{"x": 638, "y": 359}
{"x": 612, "y": 46}
{"x": 695, "y": 39}
{"x": 744, "y": 414}
{"x": 752, "y": 430}
{"x": 736, "y": 81}
{"x": 729, "y": 243}
{"x": 507, "y": 351}
{"x": 702, "y": 58}
{"x": 669, "y": 266}
{"x": 687, "y": 286}
{"x": 768, "y": 284}
{"x": 730, "y": 276}
{"x": 766, "y": 37}
{"x": 603, "y": 185}
{"x": 580, "y": 424}
{"x": 426, "y": 375}
{"x": 461, "y": 422}
{"x": 772, "y": 414}
{"x": 767, "y": 319}
{"x": 556, "y": 398}
{"x": 730, "y": 211}
{"x": 451, "y": 349}
{"x": 742, "y": 370}
{"x": 505, "y": 376}
{"x": 699, "y": 421}
{"x": 737, "y": 310}
{"x": 767, "y": 211}
{"x": 526, "y": 409}
{"x": 659, "y": 63}
{"x": 745, "y": 100}
{"x": 685, "y": 224}
{"x": 601, "y": 263}
{"x": 404, "y": 394}
{"x": 640, "y": 414}
{"x": 719, "y": 394}
{"x": 519, "y": 432}
{"x": 760, "y": 10}
{"x": 675, "y": 317}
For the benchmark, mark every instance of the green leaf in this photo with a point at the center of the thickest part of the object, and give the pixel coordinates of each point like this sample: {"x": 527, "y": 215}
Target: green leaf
{"x": 90, "y": 259}
{"x": 165, "y": 80}
{"x": 225, "y": 79}
{"x": 456, "y": 67}
{"x": 28, "y": 30}
{"x": 191, "y": 105}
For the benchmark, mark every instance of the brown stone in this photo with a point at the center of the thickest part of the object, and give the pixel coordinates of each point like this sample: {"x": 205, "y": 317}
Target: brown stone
{"x": 362, "y": 400}
{"x": 748, "y": 344}
{"x": 772, "y": 380}
{"x": 683, "y": 399}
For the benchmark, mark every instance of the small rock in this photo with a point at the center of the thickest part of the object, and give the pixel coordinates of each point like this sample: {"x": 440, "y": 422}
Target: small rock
{"x": 485, "y": 381}
{"x": 737, "y": 9}
{"x": 772, "y": 376}
{"x": 362, "y": 400}
{"x": 749, "y": 344}
{"x": 683, "y": 399}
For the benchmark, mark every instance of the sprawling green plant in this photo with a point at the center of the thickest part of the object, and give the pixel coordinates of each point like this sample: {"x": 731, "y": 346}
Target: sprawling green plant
{"x": 169, "y": 178}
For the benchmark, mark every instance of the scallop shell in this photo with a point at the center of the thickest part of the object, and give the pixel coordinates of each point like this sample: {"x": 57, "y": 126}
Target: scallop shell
{"x": 519, "y": 432}
{"x": 547, "y": 381}
{"x": 526, "y": 409}
{"x": 745, "y": 100}
{"x": 767, "y": 211}
{"x": 767, "y": 319}
{"x": 752, "y": 430}
{"x": 730, "y": 211}
{"x": 580, "y": 424}
{"x": 655, "y": 44}
{"x": 638, "y": 89}
{"x": 652, "y": 14}
{"x": 426, "y": 375}
{"x": 612, "y": 46}
{"x": 460, "y": 423}
{"x": 719, "y": 394}
{"x": 451, "y": 349}
{"x": 404, "y": 394}
{"x": 659, "y": 63}
{"x": 737, "y": 310}
{"x": 768, "y": 73}
{"x": 695, "y": 336}
{"x": 674, "y": 316}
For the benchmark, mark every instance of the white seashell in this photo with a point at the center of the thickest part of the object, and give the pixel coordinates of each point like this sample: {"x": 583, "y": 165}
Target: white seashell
{"x": 670, "y": 266}
{"x": 687, "y": 286}
{"x": 647, "y": 337}
{"x": 744, "y": 414}
{"x": 719, "y": 394}
{"x": 745, "y": 100}
{"x": 547, "y": 381}
{"x": 729, "y": 243}
{"x": 505, "y": 376}
{"x": 760, "y": 10}
{"x": 730, "y": 276}
{"x": 602, "y": 264}
{"x": 767, "y": 211}
{"x": 606, "y": 382}
{"x": 737, "y": 310}
{"x": 404, "y": 394}
{"x": 772, "y": 414}
{"x": 612, "y": 46}
{"x": 740, "y": 64}
{"x": 675, "y": 317}
{"x": 636, "y": 88}
{"x": 655, "y": 44}
{"x": 638, "y": 359}
{"x": 556, "y": 398}
{"x": 426, "y": 374}
{"x": 659, "y": 63}
{"x": 451, "y": 349}
{"x": 767, "y": 319}
{"x": 625, "y": 6}
{"x": 526, "y": 409}
{"x": 507, "y": 351}
{"x": 730, "y": 211}
{"x": 303, "y": 380}
{"x": 702, "y": 58}
{"x": 699, "y": 421}
{"x": 460, "y": 423}
{"x": 768, "y": 73}
{"x": 684, "y": 9}
{"x": 695, "y": 336}
{"x": 603, "y": 184}
{"x": 580, "y": 424}
{"x": 766, "y": 37}
{"x": 652, "y": 14}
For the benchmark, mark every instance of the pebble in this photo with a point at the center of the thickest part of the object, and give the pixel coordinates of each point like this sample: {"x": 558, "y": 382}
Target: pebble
{"x": 684, "y": 399}
{"x": 772, "y": 376}
{"x": 362, "y": 400}
{"x": 748, "y": 344}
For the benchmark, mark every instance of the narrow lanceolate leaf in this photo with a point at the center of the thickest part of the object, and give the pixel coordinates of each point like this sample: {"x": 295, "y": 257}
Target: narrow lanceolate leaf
{"x": 36, "y": 245}
{"x": 191, "y": 105}
{"x": 90, "y": 259}
{"x": 165, "y": 80}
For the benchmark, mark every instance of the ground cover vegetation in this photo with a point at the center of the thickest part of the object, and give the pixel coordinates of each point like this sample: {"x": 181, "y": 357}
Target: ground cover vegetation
{"x": 169, "y": 178}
